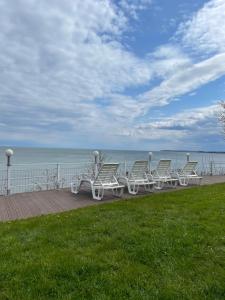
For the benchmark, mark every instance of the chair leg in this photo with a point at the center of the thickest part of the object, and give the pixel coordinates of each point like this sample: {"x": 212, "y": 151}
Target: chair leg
{"x": 183, "y": 182}
{"x": 159, "y": 185}
{"x": 149, "y": 187}
{"x": 173, "y": 184}
{"x": 133, "y": 189}
{"x": 118, "y": 192}
{"x": 75, "y": 188}
{"x": 97, "y": 193}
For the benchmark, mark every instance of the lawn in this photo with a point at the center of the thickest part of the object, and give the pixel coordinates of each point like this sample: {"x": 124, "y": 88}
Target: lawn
{"x": 162, "y": 246}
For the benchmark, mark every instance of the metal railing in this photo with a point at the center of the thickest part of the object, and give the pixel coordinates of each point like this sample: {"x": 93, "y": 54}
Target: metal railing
{"x": 206, "y": 168}
{"x": 19, "y": 178}
{"x": 215, "y": 168}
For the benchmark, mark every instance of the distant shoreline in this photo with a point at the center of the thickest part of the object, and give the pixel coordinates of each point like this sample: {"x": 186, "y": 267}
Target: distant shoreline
{"x": 104, "y": 149}
{"x": 195, "y": 151}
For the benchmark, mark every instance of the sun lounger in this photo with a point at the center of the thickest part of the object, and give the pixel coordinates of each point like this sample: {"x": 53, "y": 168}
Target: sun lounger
{"x": 162, "y": 176}
{"x": 104, "y": 180}
{"x": 188, "y": 173}
{"x": 137, "y": 177}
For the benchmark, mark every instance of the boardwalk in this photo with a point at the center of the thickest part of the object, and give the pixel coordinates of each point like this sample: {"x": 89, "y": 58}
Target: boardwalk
{"x": 21, "y": 206}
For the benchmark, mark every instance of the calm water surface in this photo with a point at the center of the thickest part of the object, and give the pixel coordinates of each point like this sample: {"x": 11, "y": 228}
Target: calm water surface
{"x": 46, "y": 155}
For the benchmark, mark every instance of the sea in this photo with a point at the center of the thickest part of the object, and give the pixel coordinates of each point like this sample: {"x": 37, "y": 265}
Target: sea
{"x": 60, "y": 155}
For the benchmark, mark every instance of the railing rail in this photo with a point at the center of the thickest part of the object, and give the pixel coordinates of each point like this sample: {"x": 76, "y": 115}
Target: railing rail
{"x": 29, "y": 177}
{"x": 36, "y": 177}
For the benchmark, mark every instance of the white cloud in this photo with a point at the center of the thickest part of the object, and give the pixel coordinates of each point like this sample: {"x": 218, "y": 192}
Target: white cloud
{"x": 132, "y": 7}
{"x": 56, "y": 55}
{"x": 185, "y": 120}
{"x": 54, "y": 52}
{"x": 185, "y": 81}
{"x": 168, "y": 59}
{"x": 204, "y": 32}
{"x": 179, "y": 131}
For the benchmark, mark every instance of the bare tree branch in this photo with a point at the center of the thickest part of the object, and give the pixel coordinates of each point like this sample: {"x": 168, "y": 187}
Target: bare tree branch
{"x": 221, "y": 114}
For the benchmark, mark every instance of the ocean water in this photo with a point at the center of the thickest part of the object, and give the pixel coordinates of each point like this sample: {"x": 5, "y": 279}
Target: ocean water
{"x": 47, "y": 156}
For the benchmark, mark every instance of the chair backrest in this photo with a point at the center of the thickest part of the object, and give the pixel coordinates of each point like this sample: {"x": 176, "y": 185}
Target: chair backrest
{"x": 163, "y": 167}
{"x": 189, "y": 168}
{"x": 139, "y": 169}
{"x": 107, "y": 174}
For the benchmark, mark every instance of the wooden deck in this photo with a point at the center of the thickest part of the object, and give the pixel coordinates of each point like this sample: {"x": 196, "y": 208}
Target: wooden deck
{"x": 26, "y": 205}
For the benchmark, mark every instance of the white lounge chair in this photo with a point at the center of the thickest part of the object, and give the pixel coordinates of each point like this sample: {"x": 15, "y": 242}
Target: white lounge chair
{"x": 161, "y": 175}
{"x": 189, "y": 173}
{"x": 137, "y": 177}
{"x": 104, "y": 180}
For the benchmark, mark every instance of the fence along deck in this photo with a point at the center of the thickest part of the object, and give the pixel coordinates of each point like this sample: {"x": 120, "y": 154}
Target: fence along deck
{"x": 20, "y": 178}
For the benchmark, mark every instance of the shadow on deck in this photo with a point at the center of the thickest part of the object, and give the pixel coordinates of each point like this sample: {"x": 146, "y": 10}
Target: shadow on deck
{"x": 26, "y": 205}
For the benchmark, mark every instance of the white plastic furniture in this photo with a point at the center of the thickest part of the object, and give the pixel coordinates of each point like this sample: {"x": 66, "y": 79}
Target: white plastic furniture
{"x": 188, "y": 173}
{"x": 104, "y": 180}
{"x": 162, "y": 175}
{"x": 137, "y": 177}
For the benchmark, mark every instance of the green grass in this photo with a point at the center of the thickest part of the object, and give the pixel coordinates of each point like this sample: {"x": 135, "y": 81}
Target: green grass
{"x": 164, "y": 246}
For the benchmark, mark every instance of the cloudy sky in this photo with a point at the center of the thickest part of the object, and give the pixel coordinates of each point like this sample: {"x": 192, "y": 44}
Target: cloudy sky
{"x": 121, "y": 74}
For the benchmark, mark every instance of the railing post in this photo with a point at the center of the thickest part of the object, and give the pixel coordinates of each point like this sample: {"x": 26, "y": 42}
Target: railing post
{"x": 8, "y": 153}
{"x": 58, "y": 175}
{"x": 8, "y": 181}
{"x": 149, "y": 161}
{"x": 188, "y": 157}
{"x": 211, "y": 168}
{"x": 47, "y": 175}
{"x": 96, "y": 156}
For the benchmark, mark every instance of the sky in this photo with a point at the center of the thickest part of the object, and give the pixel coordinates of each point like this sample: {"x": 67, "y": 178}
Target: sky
{"x": 112, "y": 74}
